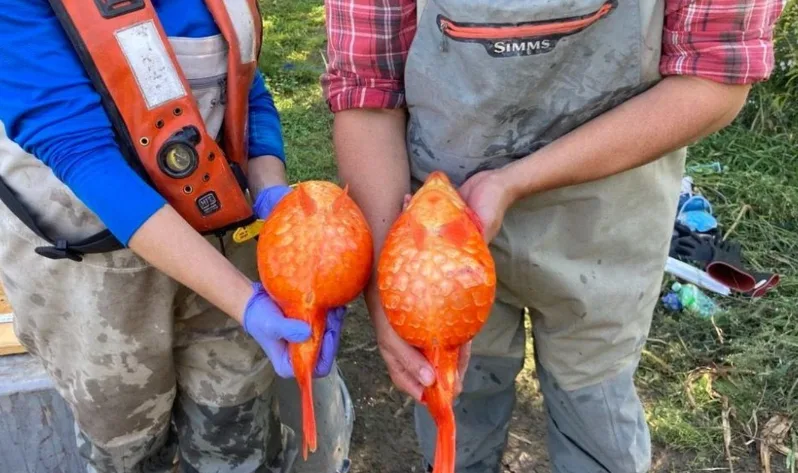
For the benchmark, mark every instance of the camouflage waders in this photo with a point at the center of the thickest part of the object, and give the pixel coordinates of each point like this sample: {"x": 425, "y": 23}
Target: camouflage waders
{"x": 145, "y": 364}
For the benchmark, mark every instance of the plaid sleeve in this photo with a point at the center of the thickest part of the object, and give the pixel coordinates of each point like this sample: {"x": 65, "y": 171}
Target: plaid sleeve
{"x": 367, "y": 44}
{"x": 728, "y": 41}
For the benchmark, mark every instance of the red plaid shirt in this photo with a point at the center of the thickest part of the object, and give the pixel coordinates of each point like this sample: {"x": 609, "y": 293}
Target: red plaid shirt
{"x": 729, "y": 41}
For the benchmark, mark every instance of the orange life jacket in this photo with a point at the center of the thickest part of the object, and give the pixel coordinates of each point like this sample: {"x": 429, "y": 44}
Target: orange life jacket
{"x": 125, "y": 51}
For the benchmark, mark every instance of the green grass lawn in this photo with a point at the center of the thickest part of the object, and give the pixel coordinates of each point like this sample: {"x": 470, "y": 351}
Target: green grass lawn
{"x": 746, "y": 359}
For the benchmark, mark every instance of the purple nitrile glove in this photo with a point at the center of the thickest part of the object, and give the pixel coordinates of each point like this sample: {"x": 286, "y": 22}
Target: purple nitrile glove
{"x": 265, "y": 322}
{"x": 268, "y": 198}
{"x": 330, "y": 342}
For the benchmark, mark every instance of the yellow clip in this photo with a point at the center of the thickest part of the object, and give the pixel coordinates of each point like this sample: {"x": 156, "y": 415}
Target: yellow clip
{"x": 252, "y": 230}
{"x": 248, "y": 232}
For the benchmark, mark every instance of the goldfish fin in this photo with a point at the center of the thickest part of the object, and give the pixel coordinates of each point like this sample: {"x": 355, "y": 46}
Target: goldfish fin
{"x": 457, "y": 231}
{"x": 310, "y": 298}
{"x": 341, "y": 199}
{"x": 438, "y": 399}
{"x": 417, "y": 231}
{"x": 475, "y": 218}
{"x": 304, "y": 377}
{"x": 306, "y": 201}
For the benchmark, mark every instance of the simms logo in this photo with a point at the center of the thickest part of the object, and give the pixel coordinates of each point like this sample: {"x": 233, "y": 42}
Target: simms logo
{"x": 522, "y": 47}
{"x": 520, "y": 39}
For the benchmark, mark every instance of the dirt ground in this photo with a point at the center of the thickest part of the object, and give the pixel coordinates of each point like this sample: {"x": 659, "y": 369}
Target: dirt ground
{"x": 384, "y": 440}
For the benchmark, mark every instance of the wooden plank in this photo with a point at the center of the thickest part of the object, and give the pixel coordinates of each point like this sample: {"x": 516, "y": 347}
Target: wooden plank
{"x": 5, "y": 306}
{"x": 9, "y": 345}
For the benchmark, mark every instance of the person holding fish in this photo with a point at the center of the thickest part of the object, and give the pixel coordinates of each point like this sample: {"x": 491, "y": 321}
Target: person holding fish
{"x": 134, "y": 136}
{"x": 564, "y": 126}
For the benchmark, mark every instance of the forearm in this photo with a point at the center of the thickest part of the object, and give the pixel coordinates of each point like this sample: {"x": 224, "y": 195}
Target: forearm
{"x": 675, "y": 113}
{"x": 192, "y": 261}
{"x": 264, "y": 172}
{"x": 372, "y": 159}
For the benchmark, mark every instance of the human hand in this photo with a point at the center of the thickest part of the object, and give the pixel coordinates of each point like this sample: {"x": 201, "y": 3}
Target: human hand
{"x": 330, "y": 342}
{"x": 264, "y": 321}
{"x": 488, "y": 195}
{"x": 268, "y": 198}
{"x": 409, "y": 370}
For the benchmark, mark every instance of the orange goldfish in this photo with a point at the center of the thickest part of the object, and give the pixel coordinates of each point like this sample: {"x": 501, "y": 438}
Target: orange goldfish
{"x": 437, "y": 283}
{"x": 314, "y": 253}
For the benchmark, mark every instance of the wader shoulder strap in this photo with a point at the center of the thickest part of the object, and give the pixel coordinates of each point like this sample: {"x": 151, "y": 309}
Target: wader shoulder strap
{"x": 59, "y": 248}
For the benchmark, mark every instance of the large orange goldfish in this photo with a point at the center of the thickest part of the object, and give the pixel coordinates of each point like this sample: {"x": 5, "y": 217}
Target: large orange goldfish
{"x": 437, "y": 282}
{"x": 314, "y": 254}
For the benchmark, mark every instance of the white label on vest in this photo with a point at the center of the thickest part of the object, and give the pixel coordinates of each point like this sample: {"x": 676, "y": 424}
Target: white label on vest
{"x": 241, "y": 15}
{"x": 153, "y": 68}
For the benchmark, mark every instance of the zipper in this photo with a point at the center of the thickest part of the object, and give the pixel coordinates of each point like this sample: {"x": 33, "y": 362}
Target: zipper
{"x": 564, "y": 26}
{"x": 213, "y": 81}
{"x": 444, "y": 36}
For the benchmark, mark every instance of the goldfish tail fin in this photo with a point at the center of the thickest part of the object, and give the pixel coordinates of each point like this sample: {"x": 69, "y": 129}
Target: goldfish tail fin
{"x": 303, "y": 373}
{"x": 439, "y": 399}
{"x": 306, "y": 201}
{"x": 445, "y": 444}
{"x": 308, "y": 416}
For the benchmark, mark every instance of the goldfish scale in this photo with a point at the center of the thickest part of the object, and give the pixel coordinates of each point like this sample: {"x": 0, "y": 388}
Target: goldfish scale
{"x": 482, "y": 297}
{"x": 418, "y": 288}
{"x": 408, "y": 252}
{"x": 391, "y": 300}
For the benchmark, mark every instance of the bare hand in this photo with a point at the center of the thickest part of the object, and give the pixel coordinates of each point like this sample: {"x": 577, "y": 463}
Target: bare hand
{"x": 489, "y": 197}
{"x": 462, "y": 365}
{"x": 409, "y": 370}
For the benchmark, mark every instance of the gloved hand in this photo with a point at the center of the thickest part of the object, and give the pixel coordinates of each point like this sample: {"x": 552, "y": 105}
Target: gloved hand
{"x": 330, "y": 342}
{"x": 727, "y": 266}
{"x": 689, "y": 245}
{"x": 265, "y": 322}
{"x": 267, "y": 199}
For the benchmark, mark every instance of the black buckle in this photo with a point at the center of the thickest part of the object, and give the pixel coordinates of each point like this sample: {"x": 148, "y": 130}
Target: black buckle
{"x": 61, "y": 250}
{"x": 114, "y": 8}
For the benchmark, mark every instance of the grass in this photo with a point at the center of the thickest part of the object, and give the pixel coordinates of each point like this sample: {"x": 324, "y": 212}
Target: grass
{"x": 291, "y": 59}
{"x": 687, "y": 371}
{"x": 755, "y": 366}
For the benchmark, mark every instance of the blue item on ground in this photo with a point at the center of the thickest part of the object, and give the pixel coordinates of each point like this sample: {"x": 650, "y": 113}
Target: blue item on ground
{"x": 695, "y": 212}
{"x": 671, "y": 302}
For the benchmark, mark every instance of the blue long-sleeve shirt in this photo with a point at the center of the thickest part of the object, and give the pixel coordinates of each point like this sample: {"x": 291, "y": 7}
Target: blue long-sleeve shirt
{"x": 50, "y": 109}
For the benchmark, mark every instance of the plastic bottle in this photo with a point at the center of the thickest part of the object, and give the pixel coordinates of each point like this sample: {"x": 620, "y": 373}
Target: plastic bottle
{"x": 695, "y": 301}
{"x": 705, "y": 168}
{"x": 671, "y": 302}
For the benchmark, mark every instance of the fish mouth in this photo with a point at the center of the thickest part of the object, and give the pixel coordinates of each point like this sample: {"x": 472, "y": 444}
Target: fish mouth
{"x": 438, "y": 180}
{"x": 437, "y": 191}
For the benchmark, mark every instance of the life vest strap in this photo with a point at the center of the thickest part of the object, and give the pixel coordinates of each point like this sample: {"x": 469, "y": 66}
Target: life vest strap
{"x": 60, "y": 248}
